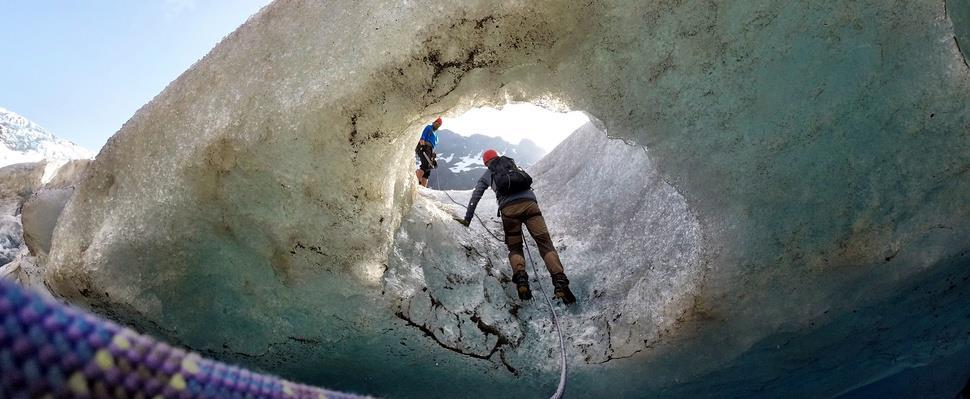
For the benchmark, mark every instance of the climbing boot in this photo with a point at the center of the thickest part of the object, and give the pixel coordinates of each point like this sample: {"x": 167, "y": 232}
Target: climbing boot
{"x": 561, "y": 283}
{"x": 521, "y": 280}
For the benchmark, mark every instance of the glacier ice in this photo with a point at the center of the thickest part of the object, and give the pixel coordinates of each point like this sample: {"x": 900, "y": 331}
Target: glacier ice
{"x": 17, "y": 183}
{"x": 39, "y": 218}
{"x": 11, "y": 238}
{"x": 40, "y": 212}
{"x": 781, "y": 210}
{"x": 442, "y": 272}
{"x": 30, "y": 156}
{"x": 25, "y": 234}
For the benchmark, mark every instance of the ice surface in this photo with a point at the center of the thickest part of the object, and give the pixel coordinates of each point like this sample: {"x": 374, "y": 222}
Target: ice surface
{"x": 39, "y": 217}
{"x": 40, "y": 212}
{"x": 11, "y": 238}
{"x": 32, "y": 212}
{"x": 17, "y": 183}
{"x": 69, "y": 174}
{"x": 789, "y": 219}
{"x": 959, "y": 13}
{"x": 445, "y": 273}
{"x": 629, "y": 238}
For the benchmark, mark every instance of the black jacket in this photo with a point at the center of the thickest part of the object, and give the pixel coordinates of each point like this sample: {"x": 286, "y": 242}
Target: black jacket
{"x": 485, "y": 182}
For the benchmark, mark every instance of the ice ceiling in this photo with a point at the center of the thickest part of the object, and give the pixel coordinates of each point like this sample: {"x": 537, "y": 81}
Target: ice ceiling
{"x": 782, "y": 211}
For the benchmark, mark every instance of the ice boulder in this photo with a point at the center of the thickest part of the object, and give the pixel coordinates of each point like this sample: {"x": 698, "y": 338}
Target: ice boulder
{"x": 17, "y": 183}
{"x": 69, "y": 174}
{"x": 39, "y": 217}
{"x": 11, "y": 238}
{"x": 40, "y": 212}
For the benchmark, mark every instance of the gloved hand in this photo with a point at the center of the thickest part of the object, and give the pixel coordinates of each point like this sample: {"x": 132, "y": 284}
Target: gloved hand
{"x": 434, "y": 160}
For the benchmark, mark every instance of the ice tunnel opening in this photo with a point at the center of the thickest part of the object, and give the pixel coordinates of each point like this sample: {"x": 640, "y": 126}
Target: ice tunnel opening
{"x": 627, "y": 238}
{"x": 524, "y": 131}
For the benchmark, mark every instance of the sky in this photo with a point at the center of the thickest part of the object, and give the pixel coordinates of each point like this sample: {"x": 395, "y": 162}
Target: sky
{"x": 81, "y": 68}
{"x": 515, "y": 122}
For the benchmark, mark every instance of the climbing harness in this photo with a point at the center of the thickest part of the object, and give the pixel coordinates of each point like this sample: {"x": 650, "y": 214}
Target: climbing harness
{"x": 48, "y": 349}
{"x": 555, "y": 318}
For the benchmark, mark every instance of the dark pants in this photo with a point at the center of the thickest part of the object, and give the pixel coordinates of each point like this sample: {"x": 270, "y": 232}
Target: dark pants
{"x": 528, "y": 213}
{"x": 426, "y": 158}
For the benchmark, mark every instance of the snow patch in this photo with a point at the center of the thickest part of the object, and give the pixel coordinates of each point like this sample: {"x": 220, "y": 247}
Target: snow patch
{"x": 25, "y": 141}
{"x": 467, "y": 163}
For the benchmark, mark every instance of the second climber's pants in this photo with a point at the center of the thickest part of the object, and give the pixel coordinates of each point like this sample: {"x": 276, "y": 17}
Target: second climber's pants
{"x": 528, "y": 213}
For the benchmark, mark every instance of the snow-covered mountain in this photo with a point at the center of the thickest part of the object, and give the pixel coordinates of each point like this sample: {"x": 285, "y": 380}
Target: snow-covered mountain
{"x": 460, "y": 158}
{"x": 25, "y": 141}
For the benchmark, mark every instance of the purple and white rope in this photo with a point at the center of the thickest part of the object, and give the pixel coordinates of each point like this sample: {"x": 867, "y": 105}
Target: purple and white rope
{"x": 51, "y": 350}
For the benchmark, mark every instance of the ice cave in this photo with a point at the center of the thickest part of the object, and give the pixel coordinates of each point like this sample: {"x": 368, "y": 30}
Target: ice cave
{"x": 770, "y": 200}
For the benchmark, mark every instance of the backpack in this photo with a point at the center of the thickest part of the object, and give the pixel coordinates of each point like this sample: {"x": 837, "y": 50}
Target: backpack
{"x": 507, "y": 177}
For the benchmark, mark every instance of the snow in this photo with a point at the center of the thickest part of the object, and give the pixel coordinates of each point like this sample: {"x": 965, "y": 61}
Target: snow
{"x": 25, "y": 141}
{"x": 468, "y": 163}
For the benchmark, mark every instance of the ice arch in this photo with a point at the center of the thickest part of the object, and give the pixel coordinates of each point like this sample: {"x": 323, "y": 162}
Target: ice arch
{"x": 250, "y": 210}
{"x": 627, "y": 238}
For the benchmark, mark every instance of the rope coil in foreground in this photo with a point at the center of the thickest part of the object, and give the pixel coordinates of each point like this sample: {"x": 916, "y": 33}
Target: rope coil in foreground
{"x": 53, "y": 350}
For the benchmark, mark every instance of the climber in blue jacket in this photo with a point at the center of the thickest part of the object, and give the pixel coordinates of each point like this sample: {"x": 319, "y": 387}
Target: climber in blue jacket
{"x": 425, "y": 152}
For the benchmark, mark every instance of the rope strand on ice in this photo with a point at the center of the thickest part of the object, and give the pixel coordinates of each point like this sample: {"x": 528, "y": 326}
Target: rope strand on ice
{"x": 555, "y": 321}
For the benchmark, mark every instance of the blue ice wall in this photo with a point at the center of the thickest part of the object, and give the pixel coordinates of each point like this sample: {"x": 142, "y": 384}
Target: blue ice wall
{"x": 959, "y": 13}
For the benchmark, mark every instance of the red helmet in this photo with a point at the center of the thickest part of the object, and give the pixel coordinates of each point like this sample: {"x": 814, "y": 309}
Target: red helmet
{"x": 438, "y": 121}
{"x": 488, "y": 155}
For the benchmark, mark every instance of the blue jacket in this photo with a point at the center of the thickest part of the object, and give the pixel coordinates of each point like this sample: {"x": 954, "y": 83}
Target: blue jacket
{"x": 485, "y": 182}
{"x": 430, "y": 136}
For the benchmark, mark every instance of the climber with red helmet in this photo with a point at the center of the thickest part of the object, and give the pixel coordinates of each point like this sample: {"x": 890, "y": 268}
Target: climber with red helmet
{"x": 517, "y": 206}
{"x": 425, "y": 152}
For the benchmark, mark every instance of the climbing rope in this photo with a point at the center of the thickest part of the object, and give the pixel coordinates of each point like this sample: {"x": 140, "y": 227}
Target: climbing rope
{"x": 51, "y": 349}
{"x": 438, "y": 188}
{"x": 48, "y": 349}
{"x": 555, "y": 318}
{"x": 555, "y": 321}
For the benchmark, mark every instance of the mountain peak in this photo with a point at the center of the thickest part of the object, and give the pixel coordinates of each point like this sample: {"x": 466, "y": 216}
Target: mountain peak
{"x": 460, "y": 157}
{"x": 22, "y": 140}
